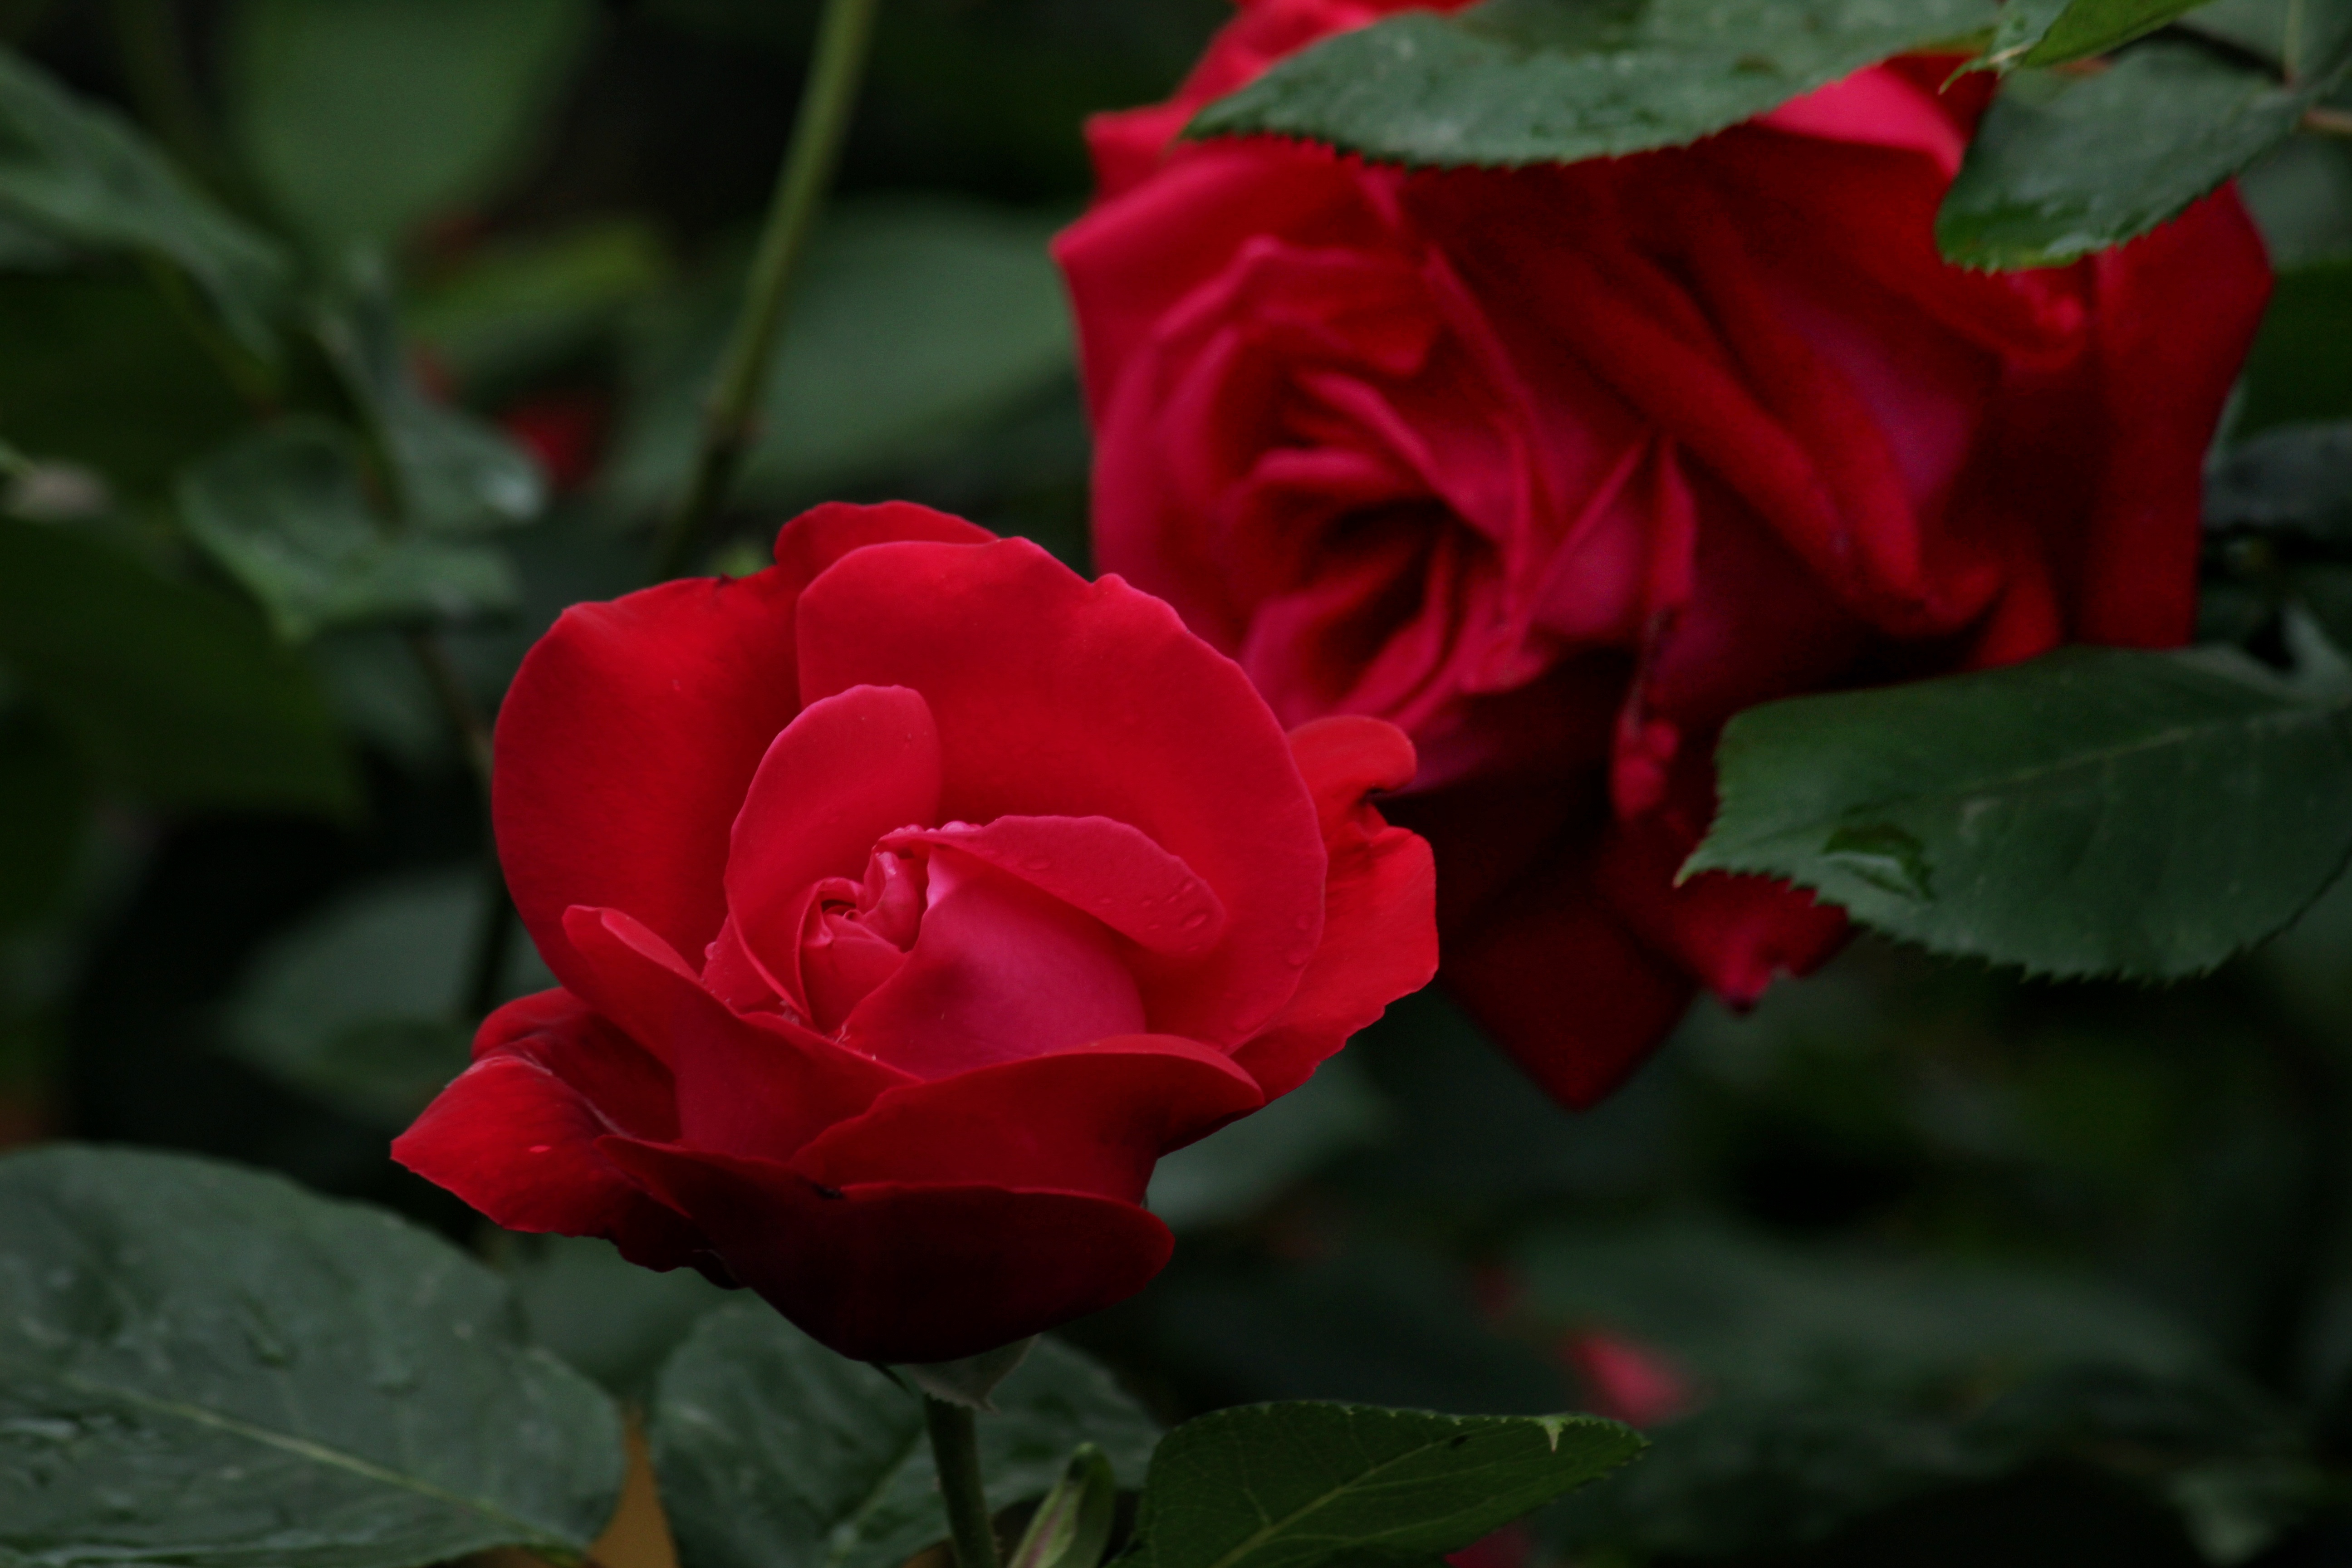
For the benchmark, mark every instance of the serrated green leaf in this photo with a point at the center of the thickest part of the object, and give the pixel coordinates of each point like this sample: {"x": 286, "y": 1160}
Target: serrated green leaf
{"x": 1539, "y": 81}
{"x": 2064, "y": 167}
{"x": 284, "y": 511}
{"x": 78, "y": 173}
{"x": 2095, "y": 811}
{"x": 203, "y": 1364}
{"x": 2051, "y": 32}
{"x": 774, "y": 1452}
{"x": 170, "y": 692}
{"x": 454, "y": 474}
{"x": 2295, "y": 480}
{"x": 1296, "y": 1485}
{"x": 363, "y": 118}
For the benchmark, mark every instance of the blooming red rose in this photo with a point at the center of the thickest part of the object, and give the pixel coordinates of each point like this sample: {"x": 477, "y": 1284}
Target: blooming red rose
{"x": 910, "y": 898}
{"x": 1560, "y": 467}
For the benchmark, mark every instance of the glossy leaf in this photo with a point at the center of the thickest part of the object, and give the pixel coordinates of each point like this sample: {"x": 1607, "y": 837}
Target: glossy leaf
{"x": 774, "y": 1452}
{"x": 2051, "y": 32}
{"x": 1294, "y": 1486}
{"x": 200, "y": 1364}
{"x": 454, "y": 473}
{"x": 79, "y": 174}
{"x": 285, "y": 513}
{"x": 1538, "y": 82}
{"x": 363, "y": 118}
{"x": 169, "y": 693}
{"x": 2062, "y": 166}
{"x": 2095, "y": 811}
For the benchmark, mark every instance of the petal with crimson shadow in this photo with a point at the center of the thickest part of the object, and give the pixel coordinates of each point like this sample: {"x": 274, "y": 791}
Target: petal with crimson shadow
{"x": 1055, "y": 697}
{"x": 1092, "y": 1120}
{"x": 1565, "y": 989}
{"x": 901, "y": 1273}
{"x": 633, "y": 729}
{"x": 1735, "y": 933}
{"x": 516, "y": 1134}
{"x": 1380, "y": 925}
{"x": 750, "y": 1084}
{"x": 1107, "y": 869}
{"x": 1000, "y": 972}
{"x": 849, "y": 770}
{"x": 623, "y": 750}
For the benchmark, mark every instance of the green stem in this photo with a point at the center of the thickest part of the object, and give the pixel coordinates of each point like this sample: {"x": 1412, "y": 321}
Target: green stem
{"x": 955, "y": 1453}
{"x": 730, "y": 419}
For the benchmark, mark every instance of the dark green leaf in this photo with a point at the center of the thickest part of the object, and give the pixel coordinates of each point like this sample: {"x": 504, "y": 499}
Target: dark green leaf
{"x": 914, "y": 321}
{"x": 2051, "y": 32}
{"x": 363, "y": 118}
{"x": 522, "y": 308}
{"x": 2064, "y": 166}
{"x": 1245, "y": 1167}
{"x": 2295, "y": 480}
{"x": 1537, "y": 81}
{"x": 2095, "y": 811}
{"x": 168, "y": 692}
{"x": 202, "y": 1364}
{"x": 454, "y": 473}
{"x": 98, "y": 371}
{"x": 614, "y": 1320}
{"x": 2294, "y": 371}
{"x": 773, "y": 1452}
{"x": 286, "y": 514}
{"x": 43, "y": 814}
{"x": 358, "y": 1006}
{"x": 1291, "y": 1485}
{"x": 79, "y": 173}
{"x": 1745, "y": 1315}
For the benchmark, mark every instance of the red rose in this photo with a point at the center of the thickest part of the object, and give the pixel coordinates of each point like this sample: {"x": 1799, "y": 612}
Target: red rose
{"x": 910, "y": 898}
{"x": 1560, "y": 468}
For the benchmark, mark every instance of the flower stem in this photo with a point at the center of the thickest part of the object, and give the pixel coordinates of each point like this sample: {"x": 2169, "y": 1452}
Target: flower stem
{"x": 955, "y": 1453}
{"x": 730, "y": 419}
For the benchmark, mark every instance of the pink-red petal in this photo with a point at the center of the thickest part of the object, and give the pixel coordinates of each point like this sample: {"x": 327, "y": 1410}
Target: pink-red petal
{"x": 1057, "y": 696}
{"x": 516, "y": 1134}
{"x": 1107, "y": 869}
{"x": 847, "y": 770}
{"x": 898, "y": 1272}
{"x": 1092, "y": 1120}
{"x": 1379, "y": 926}
{"x": 1000, "y": 972}
{"x": 755, "y": 1084}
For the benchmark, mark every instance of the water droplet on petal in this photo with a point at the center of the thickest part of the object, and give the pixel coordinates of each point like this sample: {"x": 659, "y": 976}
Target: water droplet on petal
{"x": 1196, "y": 920}
{"x": 1037, "y": 862}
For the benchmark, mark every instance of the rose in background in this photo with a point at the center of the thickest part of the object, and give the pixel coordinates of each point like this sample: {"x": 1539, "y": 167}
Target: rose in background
{"x": 1558, "y": 468}
{"x": 910, "y": 898}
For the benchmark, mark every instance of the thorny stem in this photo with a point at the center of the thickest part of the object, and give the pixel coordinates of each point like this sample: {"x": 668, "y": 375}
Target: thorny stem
{"x": 730, "y": 417}
{"x": 955, "y": 1453}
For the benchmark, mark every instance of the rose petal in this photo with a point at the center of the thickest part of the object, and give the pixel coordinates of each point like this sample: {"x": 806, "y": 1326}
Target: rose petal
{"x": 1105, "y": 869}
{"x": 1000, "y": 972}
{"x": 756, "y": 1084}
{"x": 899, "y": 1272}
{"x": 516, "y": 1134}
{"x": 846, "y": 771}
{"x": 1379, "y": 927}
{"x": 1055, "y": 697}
{"x": 1092, "y": 1120}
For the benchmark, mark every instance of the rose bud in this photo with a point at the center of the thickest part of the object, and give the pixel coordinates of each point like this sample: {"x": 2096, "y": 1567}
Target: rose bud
{"x": 1558, "y": 468}
{"x": 910, "y": 898}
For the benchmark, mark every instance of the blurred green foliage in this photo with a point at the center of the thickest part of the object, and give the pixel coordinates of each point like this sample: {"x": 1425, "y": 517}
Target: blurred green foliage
{"x": 1916, "y": 1264}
